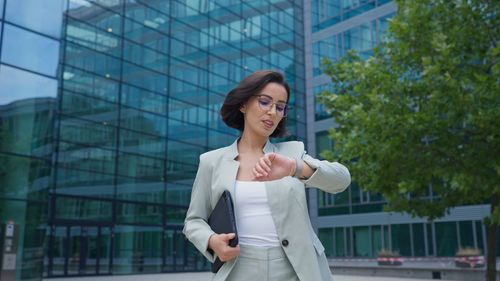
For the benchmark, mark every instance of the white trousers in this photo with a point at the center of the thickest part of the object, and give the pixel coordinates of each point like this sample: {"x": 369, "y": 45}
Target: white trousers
{"x": 262, "y": 264}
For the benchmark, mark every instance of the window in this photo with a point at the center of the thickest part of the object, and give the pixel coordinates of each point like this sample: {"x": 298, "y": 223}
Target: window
{"x": 326, "y": 237}
{"x": 17, "y": 85}
{"x": 400, "y": 237}
{"x": 446, "y": 238}
{"x": 42, "y": 16}
{"x": 361, "y": 236}
{"x": 30, "y": 50}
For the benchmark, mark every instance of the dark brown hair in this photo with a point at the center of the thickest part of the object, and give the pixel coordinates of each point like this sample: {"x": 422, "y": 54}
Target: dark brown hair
{"x": 247, "y": 88}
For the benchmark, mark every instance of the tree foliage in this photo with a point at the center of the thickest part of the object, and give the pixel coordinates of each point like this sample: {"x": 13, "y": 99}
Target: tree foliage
{"x": 424, "y": 110}
{"x": 419, "y": 120}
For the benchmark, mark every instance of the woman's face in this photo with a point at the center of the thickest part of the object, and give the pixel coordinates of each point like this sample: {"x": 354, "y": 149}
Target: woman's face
{"x": 264, "y": 111}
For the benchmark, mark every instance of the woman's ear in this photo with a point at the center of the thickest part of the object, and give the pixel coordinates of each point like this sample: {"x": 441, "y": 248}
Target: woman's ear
{"x": 243, "y": 109}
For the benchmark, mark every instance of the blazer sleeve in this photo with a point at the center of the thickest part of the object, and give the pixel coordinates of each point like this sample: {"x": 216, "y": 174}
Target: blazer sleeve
{"x": 196, "y": 228}
{"x": 331, "y": 177}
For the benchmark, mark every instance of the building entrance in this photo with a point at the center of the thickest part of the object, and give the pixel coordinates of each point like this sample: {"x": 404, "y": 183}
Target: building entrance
{"x": 80, "y": 250}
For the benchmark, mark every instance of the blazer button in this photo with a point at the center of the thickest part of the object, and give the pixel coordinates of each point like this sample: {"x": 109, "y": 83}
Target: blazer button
{"x": 284, "y": 243}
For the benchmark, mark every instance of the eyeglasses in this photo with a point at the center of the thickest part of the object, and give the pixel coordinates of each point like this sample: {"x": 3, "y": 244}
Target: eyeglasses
{"x": 266, "y": 103}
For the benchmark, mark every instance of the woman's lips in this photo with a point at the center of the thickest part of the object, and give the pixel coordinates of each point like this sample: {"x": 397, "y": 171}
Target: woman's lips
{"x": 268, "y": 124}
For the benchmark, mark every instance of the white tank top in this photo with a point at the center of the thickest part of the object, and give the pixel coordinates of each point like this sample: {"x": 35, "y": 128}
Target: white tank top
{"x": 253, "y": 216}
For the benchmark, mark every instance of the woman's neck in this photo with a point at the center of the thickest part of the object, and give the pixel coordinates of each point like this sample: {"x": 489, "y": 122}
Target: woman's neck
{"x": 251, "y": 143}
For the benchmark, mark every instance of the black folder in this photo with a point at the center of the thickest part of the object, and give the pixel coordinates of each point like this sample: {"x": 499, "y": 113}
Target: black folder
{"x": 222, "y": 220}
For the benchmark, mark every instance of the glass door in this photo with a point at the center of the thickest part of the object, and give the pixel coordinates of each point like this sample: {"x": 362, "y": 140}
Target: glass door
{"x": 177, "y": 254}
{"x": 57, "y": 251}
{"x": 80, "y": 250}
{"x": 75, "y": 254}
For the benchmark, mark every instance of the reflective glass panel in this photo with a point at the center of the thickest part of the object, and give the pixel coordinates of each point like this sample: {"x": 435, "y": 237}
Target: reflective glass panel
{"x": 104, "y": 19}
{"x": 184, "y": 260}
{"x": 90, "y": 84}
{"x": 87, "y": 35}
{"x": 143, "y": 190}
{"x": 149, "y": 145}
{"x": 187, "y": 112}
{"x": 30, "y": 50}
{"x": 77, "y": 156}
{"x": 180, "y": 192}
{"x": 156, "y": 19}
{"x": 87, "y": 133}
{"x": 466, "y": 234}
{"x": 376, "y": 240}
{"x": 58, "y": 249}
{"x": 139, "y": 213}
{"x": 26, "y": 127}
{"x": 96, "y": 110}
{"x": 24, "y": 177}
{"x": 143, "y": 99}
{"x": 104, "y": 250}
{"x": 326, "y": 237}
{"x": 137, "y": 249}
{"x": 361, "y": 245}
{"x": 42, "y": 16}
{"x": 400, "y": 239}
{"x": 175, "y": 216}
{"x": 418, "y": 239}
{"x": 430, "y": 239}
{"x": 481, "y": 243}
{"x": 217, "y": 139}
{"x": 144, "y": 34}
{"x": 95, "y": 62}
{"x": 29, "y": 218}
{"x": 17, "y": 85}
{"x": 340, "y": 242}
{"x": 446, "y": 238}
{"x": 361, "y": 39}
{"x": 136, "y": 166}
{"x": 144, "y": 78}
{"x": 83, "y": 183}
{"x": 145, "y": 57}
{"x": 83, "y": 209}
{"x": 145, "y": 122}
{"x": 74, "y": 250}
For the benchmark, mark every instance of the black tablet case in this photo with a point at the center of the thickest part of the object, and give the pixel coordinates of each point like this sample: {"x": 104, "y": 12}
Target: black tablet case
{"x": 222, "y": 220}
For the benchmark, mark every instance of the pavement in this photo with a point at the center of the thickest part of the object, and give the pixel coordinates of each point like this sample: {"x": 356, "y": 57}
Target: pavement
{"x": 206, "y": 276}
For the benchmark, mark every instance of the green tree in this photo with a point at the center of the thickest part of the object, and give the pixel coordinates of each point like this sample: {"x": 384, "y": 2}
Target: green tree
{"x": 424, "y": 111}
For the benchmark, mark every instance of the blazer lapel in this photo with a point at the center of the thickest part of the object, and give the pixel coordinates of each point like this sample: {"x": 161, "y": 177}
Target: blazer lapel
{"x": 226, "y": 173}
{"x": 226, "y": 179}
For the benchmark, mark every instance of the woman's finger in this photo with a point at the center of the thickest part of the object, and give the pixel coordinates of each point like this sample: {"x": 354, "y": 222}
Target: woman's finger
{"x": 264, "y": 164}
{"x": 259, "y": 169}
{"x": 256, "y": 174}
{"x": 269, "y": 157}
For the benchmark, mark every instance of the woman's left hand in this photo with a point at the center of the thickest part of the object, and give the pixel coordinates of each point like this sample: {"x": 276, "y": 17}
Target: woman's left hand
{"x": 273, "y": 166}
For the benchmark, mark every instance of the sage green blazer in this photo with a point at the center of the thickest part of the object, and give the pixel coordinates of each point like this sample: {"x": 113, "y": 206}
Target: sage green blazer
{"x": 287, "y": 200}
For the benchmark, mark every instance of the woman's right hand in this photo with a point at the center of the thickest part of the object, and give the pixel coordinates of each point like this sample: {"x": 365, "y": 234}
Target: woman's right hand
{"x": 219, "y": 243}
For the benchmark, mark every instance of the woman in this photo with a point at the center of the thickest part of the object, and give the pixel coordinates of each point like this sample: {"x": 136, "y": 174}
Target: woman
{"x": 267, "y": 182}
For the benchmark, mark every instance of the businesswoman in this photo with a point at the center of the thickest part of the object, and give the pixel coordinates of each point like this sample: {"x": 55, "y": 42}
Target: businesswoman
{"x": 267, "y": 182}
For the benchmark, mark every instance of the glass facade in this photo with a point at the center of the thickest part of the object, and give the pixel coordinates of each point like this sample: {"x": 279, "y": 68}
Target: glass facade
{"x": 326, "y": 13}
{"x": 105, "y": 107}
{"x": 361, "y": 37}
{"x": 28, "y": 101}
{"x": 410, "y": 239}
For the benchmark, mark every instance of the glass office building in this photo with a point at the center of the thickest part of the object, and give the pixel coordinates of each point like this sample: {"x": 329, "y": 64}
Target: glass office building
{"x": 352, "y": 223}
{"x": 105, "y": 106}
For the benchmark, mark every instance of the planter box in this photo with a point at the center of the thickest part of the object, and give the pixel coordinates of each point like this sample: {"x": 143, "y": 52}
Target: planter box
{"x": 389, "y": 261}
{"x": 469, "y": 261}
